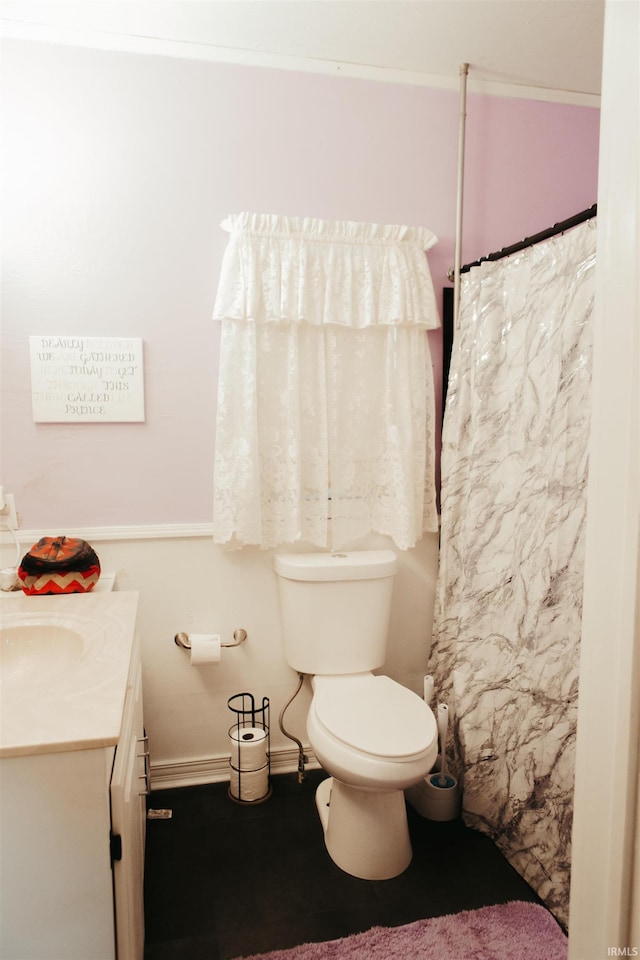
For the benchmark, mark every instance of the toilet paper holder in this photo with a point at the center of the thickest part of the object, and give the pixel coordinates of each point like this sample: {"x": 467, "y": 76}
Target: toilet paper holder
{"x": 250, "y": 760}
{"x": 239, "y": 636}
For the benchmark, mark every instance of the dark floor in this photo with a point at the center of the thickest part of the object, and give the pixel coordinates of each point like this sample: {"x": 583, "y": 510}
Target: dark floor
{"x": 225, "y": 880}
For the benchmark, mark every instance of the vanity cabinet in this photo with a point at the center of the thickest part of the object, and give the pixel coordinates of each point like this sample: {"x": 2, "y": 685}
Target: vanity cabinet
{"x": 72, "y": 828}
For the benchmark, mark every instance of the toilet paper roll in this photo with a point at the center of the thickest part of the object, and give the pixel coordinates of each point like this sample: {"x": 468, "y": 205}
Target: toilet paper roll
{"x": 205, "y": 648}
{"x": 248, "y": 748}
{"x": 249, "y": 785}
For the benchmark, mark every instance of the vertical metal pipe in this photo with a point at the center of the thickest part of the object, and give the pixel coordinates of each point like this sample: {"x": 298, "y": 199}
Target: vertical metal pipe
{"x": 464, "y": 71}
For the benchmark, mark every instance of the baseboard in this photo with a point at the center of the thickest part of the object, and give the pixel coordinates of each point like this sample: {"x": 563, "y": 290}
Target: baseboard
{"x": 191, "y": 773}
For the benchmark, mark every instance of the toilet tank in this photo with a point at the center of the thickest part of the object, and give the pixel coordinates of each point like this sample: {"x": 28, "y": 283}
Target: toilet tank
{"x": 335, "y": 609}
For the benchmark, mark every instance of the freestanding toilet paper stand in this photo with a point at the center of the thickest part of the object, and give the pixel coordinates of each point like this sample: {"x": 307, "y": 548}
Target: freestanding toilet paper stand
{"x": 250, "y": 761}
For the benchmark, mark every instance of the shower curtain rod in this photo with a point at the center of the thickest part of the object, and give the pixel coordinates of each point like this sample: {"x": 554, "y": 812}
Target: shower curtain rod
{"x": 530, "y": 241}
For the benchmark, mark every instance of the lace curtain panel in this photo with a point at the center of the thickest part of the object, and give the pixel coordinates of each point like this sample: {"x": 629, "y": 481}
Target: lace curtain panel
{"x": 325, "y": 418}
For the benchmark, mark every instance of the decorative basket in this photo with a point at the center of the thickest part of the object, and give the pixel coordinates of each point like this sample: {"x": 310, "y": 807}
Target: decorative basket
{"x": 59, "y": 565}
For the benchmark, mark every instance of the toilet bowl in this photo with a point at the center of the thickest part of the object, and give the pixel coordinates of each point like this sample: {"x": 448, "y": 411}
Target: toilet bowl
{"x": 376, "y": 738}
{"x": 372, "y": 735}
{"x": 371, "y": 732}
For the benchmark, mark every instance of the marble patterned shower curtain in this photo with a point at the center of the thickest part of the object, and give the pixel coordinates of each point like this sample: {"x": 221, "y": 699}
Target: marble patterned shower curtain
{"x": 509, "y": 596}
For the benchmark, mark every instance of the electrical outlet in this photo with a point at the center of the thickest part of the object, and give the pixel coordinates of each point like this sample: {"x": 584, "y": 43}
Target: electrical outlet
{"x": 8, "y": 515}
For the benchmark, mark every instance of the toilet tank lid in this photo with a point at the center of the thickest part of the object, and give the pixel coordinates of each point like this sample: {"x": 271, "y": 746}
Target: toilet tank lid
{"x": 350, "y": 565}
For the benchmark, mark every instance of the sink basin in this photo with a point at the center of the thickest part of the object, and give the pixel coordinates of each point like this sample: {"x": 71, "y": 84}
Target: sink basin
{"x": 37, "y": 650}
{"x": 64, "y": 664}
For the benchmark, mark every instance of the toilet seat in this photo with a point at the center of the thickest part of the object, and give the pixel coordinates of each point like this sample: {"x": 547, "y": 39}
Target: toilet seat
{"x": 375, "y": 715}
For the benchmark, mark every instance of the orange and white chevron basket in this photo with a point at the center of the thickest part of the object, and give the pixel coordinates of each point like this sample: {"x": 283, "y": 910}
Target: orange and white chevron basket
{"x": 59, "y": 565}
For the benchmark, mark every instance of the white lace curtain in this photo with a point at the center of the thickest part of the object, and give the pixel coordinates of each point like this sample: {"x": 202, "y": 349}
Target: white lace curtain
{"x": 325, "y": 419}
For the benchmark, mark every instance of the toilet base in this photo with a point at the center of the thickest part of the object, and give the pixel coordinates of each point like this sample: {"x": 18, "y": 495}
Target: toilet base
{"x": 365, "y": 831}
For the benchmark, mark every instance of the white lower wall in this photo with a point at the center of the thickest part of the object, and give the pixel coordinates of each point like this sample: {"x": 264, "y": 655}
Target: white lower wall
{"x": 187, "y": 583}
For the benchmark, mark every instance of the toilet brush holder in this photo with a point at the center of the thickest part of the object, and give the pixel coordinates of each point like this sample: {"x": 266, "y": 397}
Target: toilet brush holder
{"x": 437, "y": 797}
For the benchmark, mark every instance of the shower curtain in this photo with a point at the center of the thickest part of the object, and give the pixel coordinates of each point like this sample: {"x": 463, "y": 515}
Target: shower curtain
{"x": 508, "y": 605}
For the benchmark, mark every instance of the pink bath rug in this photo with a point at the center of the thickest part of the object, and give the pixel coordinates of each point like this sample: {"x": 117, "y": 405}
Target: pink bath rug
{"x": 517, "y": 931}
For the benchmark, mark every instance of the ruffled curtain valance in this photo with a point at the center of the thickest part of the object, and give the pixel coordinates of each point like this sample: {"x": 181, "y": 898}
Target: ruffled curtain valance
{"x": 290, "y": 269}
{"x": 325, "y": 419}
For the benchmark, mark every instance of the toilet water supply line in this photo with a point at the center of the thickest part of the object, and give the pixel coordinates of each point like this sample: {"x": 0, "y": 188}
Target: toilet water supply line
{"x": 301, "y": 757}
{"x": 239, "y": 636}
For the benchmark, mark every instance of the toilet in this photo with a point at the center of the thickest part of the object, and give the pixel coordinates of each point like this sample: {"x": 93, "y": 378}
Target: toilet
{"x": 372, "y": 735}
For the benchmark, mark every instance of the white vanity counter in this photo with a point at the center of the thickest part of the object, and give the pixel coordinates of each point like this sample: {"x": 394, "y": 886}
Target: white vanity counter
{"x": 73, "y": 778}
{"x": 64, "y": 669}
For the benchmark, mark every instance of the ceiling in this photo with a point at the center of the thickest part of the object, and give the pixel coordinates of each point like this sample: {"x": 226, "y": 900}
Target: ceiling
{"x": 553, "y": 47}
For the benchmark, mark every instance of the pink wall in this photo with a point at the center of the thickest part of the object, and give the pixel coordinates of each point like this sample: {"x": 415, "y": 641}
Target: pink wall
{"x": 119, "y": 170}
